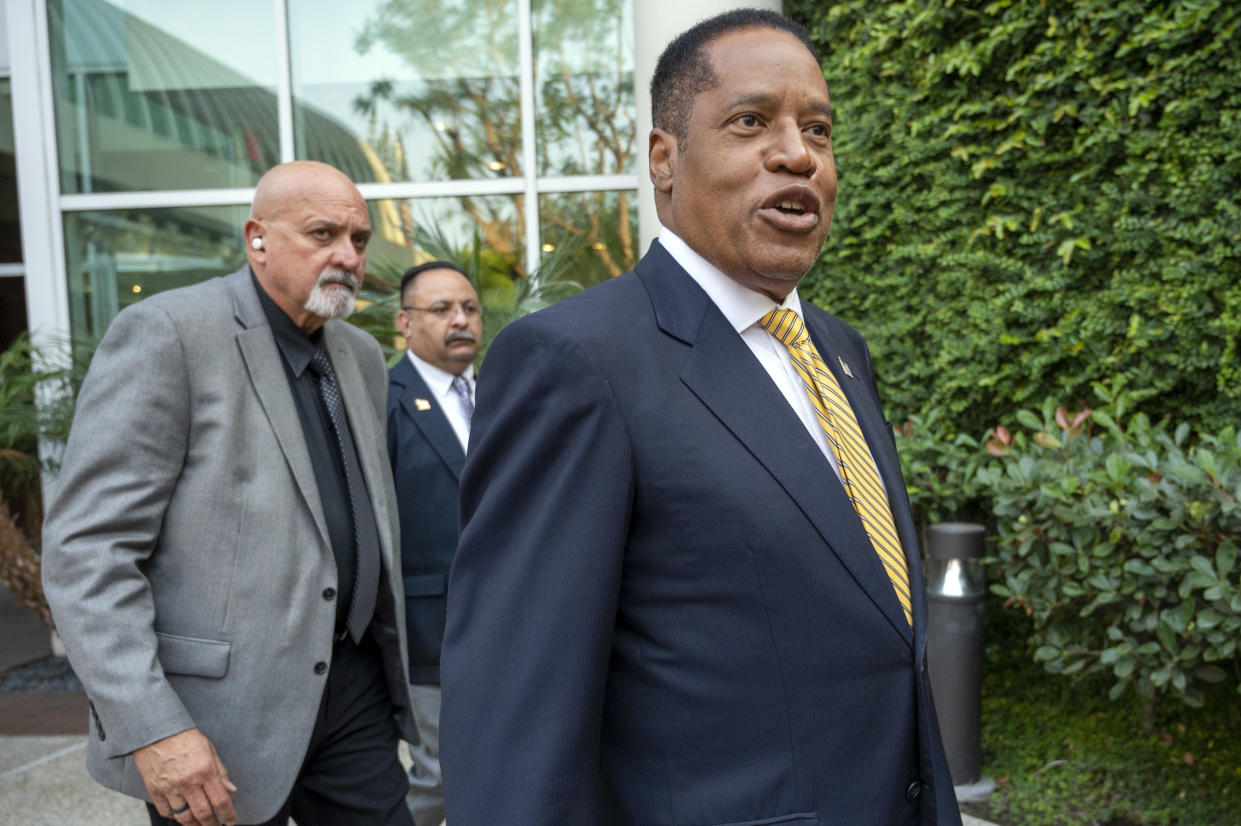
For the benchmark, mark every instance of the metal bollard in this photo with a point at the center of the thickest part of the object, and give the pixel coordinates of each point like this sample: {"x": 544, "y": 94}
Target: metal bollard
{"x": 955, "y": 591}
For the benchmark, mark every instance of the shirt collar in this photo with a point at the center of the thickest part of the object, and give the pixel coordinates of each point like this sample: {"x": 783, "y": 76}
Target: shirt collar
{"x": 438, "y": 380}
{"x": 741, "y": 306}
{"x": 296, "y": 346}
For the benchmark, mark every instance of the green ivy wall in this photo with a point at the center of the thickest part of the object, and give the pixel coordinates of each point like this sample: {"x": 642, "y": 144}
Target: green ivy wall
{"x": 1035, "y": 196}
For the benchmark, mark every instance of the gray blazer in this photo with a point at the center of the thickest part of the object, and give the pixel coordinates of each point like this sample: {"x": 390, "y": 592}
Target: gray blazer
{"x": 186, "y": 554}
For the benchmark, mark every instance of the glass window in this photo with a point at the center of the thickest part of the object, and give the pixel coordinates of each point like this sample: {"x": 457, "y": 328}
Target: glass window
{"x": 482, "y": 235}
{"x": 154, "y": 95}
{"x": 598, "y": 229}
{"x": 117, "y": 257}
{"x": 584, "y": 85}
{"x": 10, "y": 228}
{"x": 475, "y": 232}
{"x": 419, "y": 90}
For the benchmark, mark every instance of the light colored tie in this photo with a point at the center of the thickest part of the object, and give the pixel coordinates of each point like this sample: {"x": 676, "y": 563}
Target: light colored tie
{"x": 462, "y": 389}
{"x": 857, "y": 467}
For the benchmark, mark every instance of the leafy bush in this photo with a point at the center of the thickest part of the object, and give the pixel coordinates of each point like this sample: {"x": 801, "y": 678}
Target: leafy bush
{"x": 49, "y": 372}
{"x": 1036, "y": 194}
{"x": 1118, "y": 536}
{"x": 1063, "y": 754}
{"x": 505, "y": 294}
{"x": 940, "y": 467}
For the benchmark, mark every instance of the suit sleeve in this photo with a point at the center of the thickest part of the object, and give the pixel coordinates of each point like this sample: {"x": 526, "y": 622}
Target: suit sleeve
{"x": 545, "y": 502}
{"x": 125, "y": 452}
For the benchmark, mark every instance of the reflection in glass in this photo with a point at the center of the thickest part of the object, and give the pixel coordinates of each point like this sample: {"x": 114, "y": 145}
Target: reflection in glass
{"x": 410, "y": 231}
{"x": 584, "y": 85}
{"x": 115, "y": 258}
{"x": 154, "y": 95}
{"x": 10, "y": 228}
{"x": 601, "y": 226}
{"x": 428, "y": 88}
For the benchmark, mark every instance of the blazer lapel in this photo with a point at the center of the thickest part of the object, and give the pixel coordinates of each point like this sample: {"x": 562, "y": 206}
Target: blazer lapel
{"x": 432, "y": 421}
{"x": 271, "y": 385}
{"x": 880, "y": 441}
{"x": 723, "y": 373}
{"x": 367, "y": 440}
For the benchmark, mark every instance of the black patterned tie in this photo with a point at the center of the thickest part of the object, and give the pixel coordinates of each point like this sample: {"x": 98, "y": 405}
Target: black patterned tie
{"x": 365, "y": 536}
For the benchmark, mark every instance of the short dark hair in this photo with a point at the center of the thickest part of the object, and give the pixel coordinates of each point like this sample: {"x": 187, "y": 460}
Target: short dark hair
{"x": 412, "y": 272}
{"x": 684, "y": 70}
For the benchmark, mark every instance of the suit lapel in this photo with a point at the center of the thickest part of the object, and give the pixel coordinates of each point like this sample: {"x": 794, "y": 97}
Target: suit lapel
{"x": 724, "y": 374}
{"x": 432, "y": 421}
{"x": 878, "y": 438}
{"x": 271, "y": 385}
{"x": 362, "y": 420}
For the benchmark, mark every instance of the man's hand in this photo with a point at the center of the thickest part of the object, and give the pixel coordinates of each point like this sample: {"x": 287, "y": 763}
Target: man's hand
{"x": 185, "y": 770}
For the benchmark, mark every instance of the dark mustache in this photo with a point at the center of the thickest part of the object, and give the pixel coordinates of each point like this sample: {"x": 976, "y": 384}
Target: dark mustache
{"x": 460, "y": 335}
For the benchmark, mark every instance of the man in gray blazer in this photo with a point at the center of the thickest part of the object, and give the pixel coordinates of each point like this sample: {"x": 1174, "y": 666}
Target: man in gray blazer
{"x": 221, "y": 554}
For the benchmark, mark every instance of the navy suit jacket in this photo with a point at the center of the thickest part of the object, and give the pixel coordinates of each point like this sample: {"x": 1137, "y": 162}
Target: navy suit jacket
{"x": 426, "y": 466}
{"x": 664, "y": 609}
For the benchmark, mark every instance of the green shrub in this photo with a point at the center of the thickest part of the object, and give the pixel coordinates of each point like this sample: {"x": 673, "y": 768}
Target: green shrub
{"x": 1037, "y": 194}
{"x": 940, "y": 467}
{"x": 1118, "y": 536}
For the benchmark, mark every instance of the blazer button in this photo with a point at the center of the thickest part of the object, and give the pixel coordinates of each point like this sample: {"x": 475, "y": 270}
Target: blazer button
{"x": 329, "y": 594}
{"x": 913, "y": 790}
{"x": 321, "y": 668}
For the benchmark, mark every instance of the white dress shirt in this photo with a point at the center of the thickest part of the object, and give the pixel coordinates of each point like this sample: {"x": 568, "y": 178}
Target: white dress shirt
{"x": 440, "y": 383}
{"x": 744, "y": 308}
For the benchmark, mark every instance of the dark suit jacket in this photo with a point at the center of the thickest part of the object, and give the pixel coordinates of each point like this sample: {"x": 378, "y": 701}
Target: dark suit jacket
{"x": 663, "y": 609}
{"x": 426, "y": 466}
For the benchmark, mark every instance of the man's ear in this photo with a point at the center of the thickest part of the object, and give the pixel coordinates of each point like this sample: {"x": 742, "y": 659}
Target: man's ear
{"x": 662, "y": 155}
{"x": 253, "y": 232}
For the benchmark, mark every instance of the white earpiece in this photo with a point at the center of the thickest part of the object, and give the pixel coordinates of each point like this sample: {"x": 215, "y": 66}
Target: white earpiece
{"x": 257, "y": 243}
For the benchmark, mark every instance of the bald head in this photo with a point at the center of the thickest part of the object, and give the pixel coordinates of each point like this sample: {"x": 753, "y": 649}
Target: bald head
{"x": 306, "y": 240}
{"x": 282, "y": 185}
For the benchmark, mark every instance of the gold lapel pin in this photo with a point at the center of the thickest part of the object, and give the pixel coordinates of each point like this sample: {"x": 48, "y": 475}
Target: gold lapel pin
{"x": 422, "y": 404}
{"x": 844, "y": 367}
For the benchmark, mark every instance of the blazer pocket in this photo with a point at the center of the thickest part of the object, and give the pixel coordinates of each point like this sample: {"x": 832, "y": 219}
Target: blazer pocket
{"x": 800, "y": 817}
{"x": 425, "y": 585}
{"x": 192, "y": 655}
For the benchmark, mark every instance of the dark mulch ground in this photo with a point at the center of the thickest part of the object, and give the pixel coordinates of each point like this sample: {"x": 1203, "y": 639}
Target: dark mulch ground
{"x": 49, "y": 674}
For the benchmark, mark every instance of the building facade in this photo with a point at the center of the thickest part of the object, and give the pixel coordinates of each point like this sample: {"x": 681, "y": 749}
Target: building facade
{"x": 132, "y": 133}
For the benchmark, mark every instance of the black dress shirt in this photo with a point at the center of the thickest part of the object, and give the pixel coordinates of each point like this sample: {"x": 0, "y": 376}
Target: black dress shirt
{"x": 296, "y": 348}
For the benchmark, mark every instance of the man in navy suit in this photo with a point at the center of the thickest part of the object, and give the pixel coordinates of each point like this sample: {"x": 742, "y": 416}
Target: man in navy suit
{"x": 430, "y": 401}
{"x": 688, "y": 588}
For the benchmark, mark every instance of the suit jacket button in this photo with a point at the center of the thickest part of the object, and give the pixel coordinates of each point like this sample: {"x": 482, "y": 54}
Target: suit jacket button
{"x": 321, "y": 668}
{"x": 913, "y": 790}
{"x": 329, "y": 594}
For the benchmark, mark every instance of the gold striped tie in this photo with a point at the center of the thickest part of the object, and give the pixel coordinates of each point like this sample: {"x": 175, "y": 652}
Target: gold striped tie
{"x": 857, "y": 468}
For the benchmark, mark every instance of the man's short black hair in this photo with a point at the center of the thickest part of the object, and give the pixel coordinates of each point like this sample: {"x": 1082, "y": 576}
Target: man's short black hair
{"x": 412, "y": 272}
{"x": 684, "y": 70}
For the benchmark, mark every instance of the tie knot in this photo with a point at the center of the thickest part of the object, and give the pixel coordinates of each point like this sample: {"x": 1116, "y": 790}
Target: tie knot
{"x": 320, "y": 364}
{"x": 787, "y": 326}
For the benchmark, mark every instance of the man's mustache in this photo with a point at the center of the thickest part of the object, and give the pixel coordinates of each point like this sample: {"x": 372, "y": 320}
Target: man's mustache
{"x": 339, "y": 277}
{"x": 460, "y": 335}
